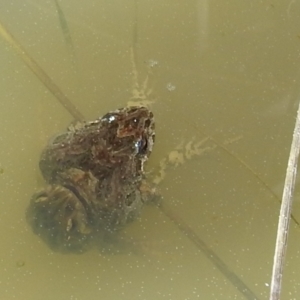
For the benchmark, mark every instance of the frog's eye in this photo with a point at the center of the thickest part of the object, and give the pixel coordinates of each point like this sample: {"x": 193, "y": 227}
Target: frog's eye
{"x": 144, "y": 147}
{"x": 109, "y": 118}
{"x": 141, "y": 146}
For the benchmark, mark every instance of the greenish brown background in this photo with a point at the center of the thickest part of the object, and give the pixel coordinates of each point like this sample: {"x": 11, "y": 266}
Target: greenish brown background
{"x": 228, "y": 69}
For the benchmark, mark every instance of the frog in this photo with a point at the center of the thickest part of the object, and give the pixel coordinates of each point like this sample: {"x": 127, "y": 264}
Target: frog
{"x": 95, "y": 180}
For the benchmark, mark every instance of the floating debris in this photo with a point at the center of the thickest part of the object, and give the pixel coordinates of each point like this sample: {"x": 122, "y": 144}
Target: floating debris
{"x": 170, "y": 87}
{"x": 20, "y": 263}
{"x": 40, "y": 74}
{"x": 152, "y": 63}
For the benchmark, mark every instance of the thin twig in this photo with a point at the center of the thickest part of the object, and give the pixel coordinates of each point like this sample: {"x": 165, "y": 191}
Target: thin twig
{"x": 248, "y": 167}
{"x": 285, "y": 213}
{"x": 66, "y": 33}
{"x": 41, "y": 74}
{"x": 229, "y": 274}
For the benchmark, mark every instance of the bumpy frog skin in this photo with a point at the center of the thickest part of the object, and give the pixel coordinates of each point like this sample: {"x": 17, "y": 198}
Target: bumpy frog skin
{"x": 95, "y": 179}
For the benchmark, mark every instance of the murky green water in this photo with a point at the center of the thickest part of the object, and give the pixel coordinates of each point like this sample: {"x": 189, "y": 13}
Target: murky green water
{"x": 227, "y": 70}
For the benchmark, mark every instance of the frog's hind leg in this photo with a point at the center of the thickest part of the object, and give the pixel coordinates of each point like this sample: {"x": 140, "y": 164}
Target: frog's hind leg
{"x": 59, "y": 218}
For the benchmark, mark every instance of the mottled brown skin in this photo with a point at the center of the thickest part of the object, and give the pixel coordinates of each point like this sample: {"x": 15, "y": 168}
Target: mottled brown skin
{"x": 95, "y": 173}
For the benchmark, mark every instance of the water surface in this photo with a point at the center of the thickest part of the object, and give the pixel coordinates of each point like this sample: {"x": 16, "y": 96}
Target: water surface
{"x": 223, "y": 72}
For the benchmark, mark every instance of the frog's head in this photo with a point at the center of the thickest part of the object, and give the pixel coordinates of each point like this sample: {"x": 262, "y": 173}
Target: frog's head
{"x": 135, "y": 130}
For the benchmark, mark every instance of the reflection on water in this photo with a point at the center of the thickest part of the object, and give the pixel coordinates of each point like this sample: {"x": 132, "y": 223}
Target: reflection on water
{"x": 235, "y": 69}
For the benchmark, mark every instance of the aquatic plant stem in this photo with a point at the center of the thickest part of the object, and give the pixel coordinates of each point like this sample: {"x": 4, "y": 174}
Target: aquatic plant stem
{"x": 285, "y": 213}
{"x": 229, "y": 274}
{"x": 41, "y": 74}
{"x": 248, "y": 167}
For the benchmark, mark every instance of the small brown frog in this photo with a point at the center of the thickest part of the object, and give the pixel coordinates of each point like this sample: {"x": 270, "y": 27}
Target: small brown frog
{"x": 95, "y": 177}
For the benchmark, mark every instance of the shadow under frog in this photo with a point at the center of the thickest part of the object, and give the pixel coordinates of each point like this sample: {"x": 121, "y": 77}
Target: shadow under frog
{"x": 95, "y": 180}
